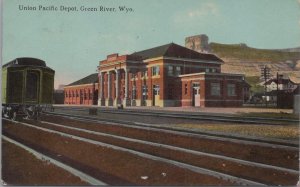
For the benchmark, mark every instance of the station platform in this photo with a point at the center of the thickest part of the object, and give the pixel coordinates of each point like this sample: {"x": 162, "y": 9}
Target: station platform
{"x": 215, "y": 110}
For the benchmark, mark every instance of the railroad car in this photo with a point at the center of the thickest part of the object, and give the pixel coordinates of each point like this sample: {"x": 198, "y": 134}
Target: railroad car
{"x": 27, "y": 87}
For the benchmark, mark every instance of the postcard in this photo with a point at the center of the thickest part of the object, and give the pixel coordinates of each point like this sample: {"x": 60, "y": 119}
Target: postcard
{"x": 150, "y": 93}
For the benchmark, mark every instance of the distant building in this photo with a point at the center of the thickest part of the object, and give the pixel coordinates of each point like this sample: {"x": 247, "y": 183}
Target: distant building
{"x": 83, "y": 91}
{"x": 58, "y": 97}
{"x": 283, "y": 84}
{"x": 168, "y": 75}
{"x": 283, "y": 98}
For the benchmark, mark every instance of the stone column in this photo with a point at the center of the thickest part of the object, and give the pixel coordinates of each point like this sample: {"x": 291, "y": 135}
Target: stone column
{"x": 109, "y": 98}
{"x": 126, "y": 101}
{"x": 126, "y": 83}
{"x": 118, "y": 101}
{"x": 101, "y": 100}
{"x": 108, "y": 85}
{"x": 101, "y": 85}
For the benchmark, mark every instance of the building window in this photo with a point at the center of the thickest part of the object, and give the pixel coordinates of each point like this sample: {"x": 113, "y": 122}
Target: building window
{"x": 66, "y": 94}
{"x": 77, "y": 93}
{"x": 207, "y": 70}
{"x": 90, "y": 94}
{"x": 155, "y": 70}
{"x": 213, "y": 70}
{"x": 170, "y": 70}
{"x": 145, "y": 74}
{"x": 215, "y": 89}
{"x": 178, "y": 70}
{"x": 231, "y": 90}
{"x": 134, "y": 92}
{"x": 133, "y": 75}
{"x": 185, "y": 89}
{"x": 84, "y": 95}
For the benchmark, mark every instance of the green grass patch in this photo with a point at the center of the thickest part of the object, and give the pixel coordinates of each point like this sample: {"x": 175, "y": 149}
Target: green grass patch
{"x": 267, "y": 131}
{"x": 279, "y": 115}
{"x": 253, "y": 81}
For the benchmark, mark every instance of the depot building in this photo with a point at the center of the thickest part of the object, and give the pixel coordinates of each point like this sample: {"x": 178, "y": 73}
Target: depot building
{"x": 83, "y": 91}
{"x": 167, "y": 76}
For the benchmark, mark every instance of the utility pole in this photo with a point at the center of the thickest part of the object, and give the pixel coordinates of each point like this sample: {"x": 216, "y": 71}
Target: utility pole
{"x": 277, "y": 90}
{"x": 265, "y": 74}
{"x": 278, "y": 77}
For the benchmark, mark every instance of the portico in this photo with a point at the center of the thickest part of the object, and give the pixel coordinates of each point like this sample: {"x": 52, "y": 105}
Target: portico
{"x": 114, "y": 85}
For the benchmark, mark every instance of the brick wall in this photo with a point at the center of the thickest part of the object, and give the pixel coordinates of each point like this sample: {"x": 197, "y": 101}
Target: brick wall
{"x": 81, "y": 94}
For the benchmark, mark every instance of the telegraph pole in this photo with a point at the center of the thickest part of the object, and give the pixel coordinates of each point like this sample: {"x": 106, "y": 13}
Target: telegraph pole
{"x": 277, "y": 77}
{"x": 265, "y": 73}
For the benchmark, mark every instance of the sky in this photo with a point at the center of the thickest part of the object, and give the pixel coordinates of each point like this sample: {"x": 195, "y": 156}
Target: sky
{"x": 72, "y": 43}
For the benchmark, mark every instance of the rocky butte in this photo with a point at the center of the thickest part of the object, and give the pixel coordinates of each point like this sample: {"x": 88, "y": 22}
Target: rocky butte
{"x": 240, "y": 58}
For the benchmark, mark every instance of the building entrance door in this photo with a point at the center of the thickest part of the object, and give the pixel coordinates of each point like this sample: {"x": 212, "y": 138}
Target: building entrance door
{"x": 196, "y": 94}
{"x": 155, "y": 97}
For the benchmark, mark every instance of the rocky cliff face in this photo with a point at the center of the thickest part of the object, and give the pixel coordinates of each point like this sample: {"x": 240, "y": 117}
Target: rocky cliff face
{"x": 253, "y": 67}
{"x": 246, "y": 60}
{"x": 240, "y": 58}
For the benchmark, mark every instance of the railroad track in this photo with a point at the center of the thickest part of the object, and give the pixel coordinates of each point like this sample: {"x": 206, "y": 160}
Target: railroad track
{"x": 141, "y": 148}
{"x": 213, "y": 135}
{"x": 83, "y": 176}
{"x": 194, "y": 116}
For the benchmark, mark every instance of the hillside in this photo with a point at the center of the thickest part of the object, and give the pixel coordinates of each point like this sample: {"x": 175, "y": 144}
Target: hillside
{"x": 243, "y": 52}
{"x": 239, "y": 58}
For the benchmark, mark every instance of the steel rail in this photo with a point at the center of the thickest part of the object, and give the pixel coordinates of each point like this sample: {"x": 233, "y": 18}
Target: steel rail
{"x": 200, "y": 170}
{"x": 201, "y": 134}
{"x": 159, "y": 145}
{"x": 83, "y": 176}
{"x": 194, "y": 116}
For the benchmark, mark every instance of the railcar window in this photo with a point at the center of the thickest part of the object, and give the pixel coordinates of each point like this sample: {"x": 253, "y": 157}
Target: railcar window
{"x": 32, "y": 83}
{"x": 15, "y": 86}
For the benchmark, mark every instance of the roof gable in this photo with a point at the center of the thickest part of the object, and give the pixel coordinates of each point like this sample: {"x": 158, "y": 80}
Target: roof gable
{"x": 177, "y": 51}
{"x": 153, "y": 52}
{"x": 280, "y": 81}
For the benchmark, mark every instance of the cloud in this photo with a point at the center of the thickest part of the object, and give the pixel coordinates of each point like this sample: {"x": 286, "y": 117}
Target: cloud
{"x": 206, "y": 9}
{"x": 199, "y": 12}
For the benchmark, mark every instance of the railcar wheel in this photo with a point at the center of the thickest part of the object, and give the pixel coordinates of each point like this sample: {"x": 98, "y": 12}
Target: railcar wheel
{"x": 13, "y": 115}
{"x": 38, "y": 116}
{"x": 29, "y": 112}
{"x": 5, "y": 112}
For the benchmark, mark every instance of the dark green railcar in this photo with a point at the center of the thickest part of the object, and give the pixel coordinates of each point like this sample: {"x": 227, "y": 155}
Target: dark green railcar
{"x": 27, "y": 87}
